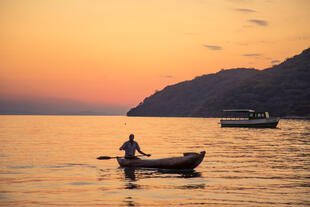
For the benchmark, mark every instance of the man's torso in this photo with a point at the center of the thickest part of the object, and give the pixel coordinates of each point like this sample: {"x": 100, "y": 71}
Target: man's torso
{"x": 130, "y": 148}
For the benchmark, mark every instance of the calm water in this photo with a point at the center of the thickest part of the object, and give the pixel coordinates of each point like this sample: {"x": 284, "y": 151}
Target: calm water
{"x": 51, "y": 161}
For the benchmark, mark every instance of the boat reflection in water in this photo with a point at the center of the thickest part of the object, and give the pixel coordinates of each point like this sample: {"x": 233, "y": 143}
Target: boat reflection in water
{"x": 129, "y": 201}
{"x": 134, "y": 174}
{"x": 130, "y": 173}
{"x": 141, "y": 181}
{"x": 131, "y": 177}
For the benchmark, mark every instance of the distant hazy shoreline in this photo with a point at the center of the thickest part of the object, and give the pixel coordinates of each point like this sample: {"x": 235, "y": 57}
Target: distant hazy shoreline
{"x": 284, "y": 117}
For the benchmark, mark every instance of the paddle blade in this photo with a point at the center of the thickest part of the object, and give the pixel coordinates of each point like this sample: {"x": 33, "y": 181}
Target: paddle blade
{"x": 103, "y": 158}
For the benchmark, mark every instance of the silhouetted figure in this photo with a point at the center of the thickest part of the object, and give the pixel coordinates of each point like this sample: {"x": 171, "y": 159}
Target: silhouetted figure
{"x": 130, "y": 148}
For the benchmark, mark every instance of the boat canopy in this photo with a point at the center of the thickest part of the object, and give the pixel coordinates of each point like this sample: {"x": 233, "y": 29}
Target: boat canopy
{"x": 238, "y": 110}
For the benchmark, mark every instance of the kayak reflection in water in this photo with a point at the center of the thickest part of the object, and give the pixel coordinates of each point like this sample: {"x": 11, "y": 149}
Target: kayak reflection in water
{"x": 135, "y": 174}
{"x": 130, "y": 148}
{"x": 130, "y": 173}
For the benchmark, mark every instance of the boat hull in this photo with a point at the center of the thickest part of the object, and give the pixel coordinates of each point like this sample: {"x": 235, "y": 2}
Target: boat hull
{"x": 188, "y": 161}
{"x": 255, "y": 123}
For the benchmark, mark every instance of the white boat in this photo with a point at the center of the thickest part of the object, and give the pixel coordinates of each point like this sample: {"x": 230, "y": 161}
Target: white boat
{"x": 248, "y": 118}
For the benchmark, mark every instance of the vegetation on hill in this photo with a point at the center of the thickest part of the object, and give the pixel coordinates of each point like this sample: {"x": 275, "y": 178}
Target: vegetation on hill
{"x": 283, "y": 90}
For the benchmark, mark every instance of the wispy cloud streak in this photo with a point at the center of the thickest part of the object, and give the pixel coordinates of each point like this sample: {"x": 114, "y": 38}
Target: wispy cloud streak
{"x": 213, "y": 47}
{"x": 167, "y": 76}
{"x": 251, "y": 55}
{"x": 259, "y": 22}
{"x": 245, "y": 10}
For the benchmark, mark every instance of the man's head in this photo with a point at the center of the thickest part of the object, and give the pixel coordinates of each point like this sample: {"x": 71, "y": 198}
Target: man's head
{"x": 131, "y": 137}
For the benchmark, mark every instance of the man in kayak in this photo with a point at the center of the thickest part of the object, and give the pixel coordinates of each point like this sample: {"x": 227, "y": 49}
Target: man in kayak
{"x": 130, "y": 148}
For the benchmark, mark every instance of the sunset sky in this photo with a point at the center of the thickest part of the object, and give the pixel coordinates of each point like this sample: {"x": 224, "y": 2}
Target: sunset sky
{"x": 108, "y": 55}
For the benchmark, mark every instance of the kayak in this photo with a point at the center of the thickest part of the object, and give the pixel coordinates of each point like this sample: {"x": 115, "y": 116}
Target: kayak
{"x": 189, "y": 160}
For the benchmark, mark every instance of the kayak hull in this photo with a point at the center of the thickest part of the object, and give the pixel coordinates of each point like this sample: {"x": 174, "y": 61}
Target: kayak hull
{"x": 188, "y": 161}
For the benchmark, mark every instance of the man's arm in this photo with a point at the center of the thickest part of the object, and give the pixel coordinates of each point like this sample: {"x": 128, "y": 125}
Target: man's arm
{"x": 123, "y": 146}
{"x": 138, "y": 149}
{"x": 143, "y": 153}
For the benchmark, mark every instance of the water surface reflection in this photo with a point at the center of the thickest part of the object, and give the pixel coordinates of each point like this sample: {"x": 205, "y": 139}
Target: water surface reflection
{"x": 50, "y": 160}
{"x": 129, "y": 201}
{"x": 134, "y": 174}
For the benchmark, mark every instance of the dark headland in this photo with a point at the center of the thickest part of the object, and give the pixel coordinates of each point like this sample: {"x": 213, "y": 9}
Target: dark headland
{"x": 283, "y": 90}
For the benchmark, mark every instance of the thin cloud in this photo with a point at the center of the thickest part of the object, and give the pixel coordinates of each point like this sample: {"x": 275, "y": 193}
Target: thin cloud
{"x": 239, "y": 1}
{"x": 275, "y": 61}
{"x": 251, "y": 55}
{"x": 245, "y": 10}
{"x": 213, "y": 47}
{"x": 259, "y": 22}
{"x": 167, "y": 76}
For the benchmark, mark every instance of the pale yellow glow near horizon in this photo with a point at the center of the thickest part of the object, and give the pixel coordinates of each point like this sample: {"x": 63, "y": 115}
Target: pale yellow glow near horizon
{"x": 119, "y": 52}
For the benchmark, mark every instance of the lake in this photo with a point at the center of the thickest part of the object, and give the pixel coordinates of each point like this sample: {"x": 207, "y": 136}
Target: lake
{"x": 51, "y": 161}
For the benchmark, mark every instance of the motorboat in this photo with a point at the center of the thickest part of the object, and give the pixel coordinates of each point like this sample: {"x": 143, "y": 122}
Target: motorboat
{"x": 248, "y": 118}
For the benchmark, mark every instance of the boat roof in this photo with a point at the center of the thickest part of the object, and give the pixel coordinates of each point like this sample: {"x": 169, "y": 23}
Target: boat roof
{"x": 238, "y": 110}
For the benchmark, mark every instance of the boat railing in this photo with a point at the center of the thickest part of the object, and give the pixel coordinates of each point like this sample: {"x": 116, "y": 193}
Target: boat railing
{"x": 235, "y": 118}
{"x": 244, "y": 115}
{"x": 232, "y": 115}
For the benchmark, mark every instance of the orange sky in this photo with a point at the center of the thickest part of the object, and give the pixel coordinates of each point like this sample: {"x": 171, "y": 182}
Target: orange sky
{"x": 118, "y": 52}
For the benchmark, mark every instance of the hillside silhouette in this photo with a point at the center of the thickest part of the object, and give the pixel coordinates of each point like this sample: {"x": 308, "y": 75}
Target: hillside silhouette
{"x": 283, "y": 90}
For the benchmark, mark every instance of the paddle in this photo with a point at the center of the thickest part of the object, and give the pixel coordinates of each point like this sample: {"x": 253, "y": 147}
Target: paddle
{"x": 108, "y": 157}
{"x": 105, "y": 158}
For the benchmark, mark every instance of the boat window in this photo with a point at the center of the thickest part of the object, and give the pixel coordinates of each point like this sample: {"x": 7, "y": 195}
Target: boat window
{"x": 237, "y": 115}
{"x": 251, "y": 116}
{"x": 267, "y": 115}
{"x": 258, "y": 115}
